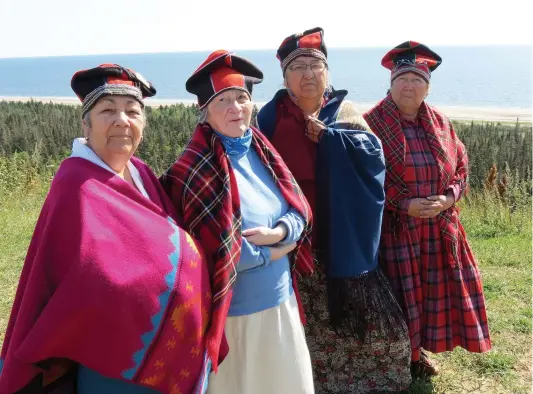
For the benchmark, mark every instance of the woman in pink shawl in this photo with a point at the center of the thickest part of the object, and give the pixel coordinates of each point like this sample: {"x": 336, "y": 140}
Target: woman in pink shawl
{"x": 114, "y": 297}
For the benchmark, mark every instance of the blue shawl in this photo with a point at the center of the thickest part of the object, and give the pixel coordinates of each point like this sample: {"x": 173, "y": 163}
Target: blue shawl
{"x": 350, "y": 201}
{"x": 349, "y": 206}
{"x": 349, "y": 186}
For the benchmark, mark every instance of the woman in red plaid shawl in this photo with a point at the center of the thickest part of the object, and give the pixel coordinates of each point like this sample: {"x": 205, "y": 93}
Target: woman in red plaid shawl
{"x": 237, "y": 197}
{"x": 424, "y": 250}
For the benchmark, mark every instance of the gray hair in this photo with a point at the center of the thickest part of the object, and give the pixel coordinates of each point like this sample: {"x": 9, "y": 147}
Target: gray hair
{"x": 87, "y": 118}
{"x": 202, "y": 116}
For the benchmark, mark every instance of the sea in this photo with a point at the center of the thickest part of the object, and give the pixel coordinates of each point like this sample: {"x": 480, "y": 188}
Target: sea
{"x": 488, "y": 76}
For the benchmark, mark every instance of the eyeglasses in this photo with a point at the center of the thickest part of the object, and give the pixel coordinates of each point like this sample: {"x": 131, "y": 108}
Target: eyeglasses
{"x": 301, "y": 68}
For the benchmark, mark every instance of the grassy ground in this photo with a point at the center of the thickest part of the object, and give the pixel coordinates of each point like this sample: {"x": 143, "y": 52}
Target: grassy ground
{"x": 18, "y": 215}
{"x": 501, "y": 242}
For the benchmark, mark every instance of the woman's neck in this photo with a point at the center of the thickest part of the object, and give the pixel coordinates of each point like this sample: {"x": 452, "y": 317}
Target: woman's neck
{"x": 308, "y": 106}
{"x": 117, "y": 163}
{"x": 236, "y": 146}
{"x": 122, "y": 173}
{"x": 409, "y": 115}
{"x": 119, "y": 166}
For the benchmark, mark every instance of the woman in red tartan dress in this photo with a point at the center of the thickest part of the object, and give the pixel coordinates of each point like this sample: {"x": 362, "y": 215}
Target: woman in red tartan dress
{"x": 424, "y": 250}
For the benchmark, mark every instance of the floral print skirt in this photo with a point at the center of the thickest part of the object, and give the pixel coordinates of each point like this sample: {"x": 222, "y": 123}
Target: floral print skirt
{"x": 342, "y": 364}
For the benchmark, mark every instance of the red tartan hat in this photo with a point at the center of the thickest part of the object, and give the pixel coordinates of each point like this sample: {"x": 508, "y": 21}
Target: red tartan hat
{"x": 109, "y": 79}
{"x": 411, "y": 56}
{"x": 221, "y": 71}
{"x": 309, "y": 43}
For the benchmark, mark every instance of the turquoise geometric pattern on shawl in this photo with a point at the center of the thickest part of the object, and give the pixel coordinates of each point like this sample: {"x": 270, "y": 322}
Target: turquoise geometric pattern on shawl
{"x": 203, "y": 380}
{"x": 170, "y": 279}
{"x": 1, "y": 365}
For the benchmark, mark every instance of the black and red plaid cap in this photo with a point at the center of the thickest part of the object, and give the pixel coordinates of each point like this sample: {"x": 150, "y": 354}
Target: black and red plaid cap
{"x": 411, "y": 56}
{"x": 309, "y": 43}
{"x": 221, "y": 71}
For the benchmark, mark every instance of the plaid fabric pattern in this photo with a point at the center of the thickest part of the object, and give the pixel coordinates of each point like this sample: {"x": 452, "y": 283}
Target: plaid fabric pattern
{"x": 421, "y": 174}
{"x": 428, "y": 261}
{"x": 447, "y": 150}
{"x": 203, "y": 187}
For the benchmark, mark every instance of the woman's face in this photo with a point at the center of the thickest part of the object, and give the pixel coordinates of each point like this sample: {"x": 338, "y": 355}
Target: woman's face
{"x": 115, "y": 128}
{"x": 230, "y": 112}
{"x": 307, "y": 78}
{"x": 408, "y": 90}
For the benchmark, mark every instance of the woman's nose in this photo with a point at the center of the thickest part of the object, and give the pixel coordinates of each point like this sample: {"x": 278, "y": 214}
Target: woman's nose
{"x": 121, "y": 118}
{"x": 236, "y": 106}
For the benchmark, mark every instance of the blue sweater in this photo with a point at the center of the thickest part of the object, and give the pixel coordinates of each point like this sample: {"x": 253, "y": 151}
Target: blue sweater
{"x": 261, "y": 283}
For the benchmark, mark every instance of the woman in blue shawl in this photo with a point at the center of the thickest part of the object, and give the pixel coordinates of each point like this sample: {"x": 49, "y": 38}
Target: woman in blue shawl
{"x": 355, "y": 330}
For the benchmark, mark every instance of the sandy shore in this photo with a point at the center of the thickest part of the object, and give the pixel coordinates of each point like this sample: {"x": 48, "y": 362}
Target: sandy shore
{"x": 454, "y": 112}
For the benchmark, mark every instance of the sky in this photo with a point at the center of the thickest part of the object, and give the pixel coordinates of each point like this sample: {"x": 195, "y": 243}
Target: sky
{"x": 31, "y": 28}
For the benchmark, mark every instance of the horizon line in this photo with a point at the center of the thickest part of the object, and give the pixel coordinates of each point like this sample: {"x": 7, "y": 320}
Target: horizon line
{"x": 244, "y": 49}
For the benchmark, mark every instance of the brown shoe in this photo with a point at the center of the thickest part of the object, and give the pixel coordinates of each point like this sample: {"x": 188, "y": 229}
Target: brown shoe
{"x": 425, "y": 366}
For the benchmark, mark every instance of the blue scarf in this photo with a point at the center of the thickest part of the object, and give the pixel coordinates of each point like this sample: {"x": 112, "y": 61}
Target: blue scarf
{"x": 236, "y": 146}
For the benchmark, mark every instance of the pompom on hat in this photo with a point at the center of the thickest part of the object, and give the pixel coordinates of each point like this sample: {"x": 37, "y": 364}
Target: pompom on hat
{"x": 411, "y": 56}
{"x": 309, "y": 43}
{"x": 109, "y": 79}
{"x": 221, "y": 71}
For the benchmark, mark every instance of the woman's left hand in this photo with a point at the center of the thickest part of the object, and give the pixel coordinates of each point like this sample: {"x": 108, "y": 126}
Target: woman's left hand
{"x": 262, "y": 236}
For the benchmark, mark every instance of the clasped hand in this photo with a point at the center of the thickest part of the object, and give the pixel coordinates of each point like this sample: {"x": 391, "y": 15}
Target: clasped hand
{"x": 265, "y": 236}
{"x": 429, "y": 207}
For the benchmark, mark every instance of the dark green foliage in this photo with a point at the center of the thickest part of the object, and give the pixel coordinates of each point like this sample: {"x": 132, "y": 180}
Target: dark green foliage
{"x": 46, "y": 131}
{"x": 167, "y": 132}
{"x": 505, "y": 145}
{"x": 48, "y": 128}
{"x": 36, "y": 136}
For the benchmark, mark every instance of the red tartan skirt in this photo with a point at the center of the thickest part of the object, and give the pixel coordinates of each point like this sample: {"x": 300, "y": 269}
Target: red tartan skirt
{"x": 444, "y": 306}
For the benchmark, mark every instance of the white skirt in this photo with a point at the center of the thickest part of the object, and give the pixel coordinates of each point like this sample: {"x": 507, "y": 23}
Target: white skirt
{"x": 268, "y": 354}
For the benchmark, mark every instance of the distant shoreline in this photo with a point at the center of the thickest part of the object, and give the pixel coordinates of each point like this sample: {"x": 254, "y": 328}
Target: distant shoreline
{"x": 492, "y": 114}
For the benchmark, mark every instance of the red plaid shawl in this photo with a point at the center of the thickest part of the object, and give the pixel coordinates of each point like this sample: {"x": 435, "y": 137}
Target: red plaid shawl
{"x": 203, "y": 187}
{"x": 449, "y": 153}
